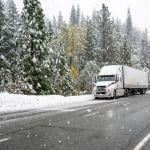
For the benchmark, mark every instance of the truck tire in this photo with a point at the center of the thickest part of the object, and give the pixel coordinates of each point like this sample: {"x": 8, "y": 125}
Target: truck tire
{"x": 141, "y": 92}
{"x": 114, "y": 95}
{"x": 126, "y": 93}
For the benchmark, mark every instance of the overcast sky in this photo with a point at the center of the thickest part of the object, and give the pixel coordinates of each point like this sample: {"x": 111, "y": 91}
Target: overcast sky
{"x": 140, "y": 9}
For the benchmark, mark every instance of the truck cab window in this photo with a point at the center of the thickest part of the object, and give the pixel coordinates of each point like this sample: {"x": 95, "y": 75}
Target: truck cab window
{"x": 106, "y": 78}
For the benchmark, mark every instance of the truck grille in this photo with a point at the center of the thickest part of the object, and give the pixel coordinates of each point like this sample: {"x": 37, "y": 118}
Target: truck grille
{"x": 101, "y": 90}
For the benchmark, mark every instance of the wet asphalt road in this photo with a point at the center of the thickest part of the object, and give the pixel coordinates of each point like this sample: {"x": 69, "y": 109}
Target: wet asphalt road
{"x": 117, "y": 125}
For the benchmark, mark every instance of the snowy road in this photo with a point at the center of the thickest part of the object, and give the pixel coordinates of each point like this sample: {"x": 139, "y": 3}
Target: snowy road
{"x": 123, "y": 124}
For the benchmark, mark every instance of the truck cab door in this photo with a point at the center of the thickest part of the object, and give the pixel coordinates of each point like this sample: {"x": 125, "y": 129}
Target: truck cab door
{"x": 119, "y": 85}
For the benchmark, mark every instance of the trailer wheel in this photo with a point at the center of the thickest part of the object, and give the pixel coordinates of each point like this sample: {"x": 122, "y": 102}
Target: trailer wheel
{"x": 126, "y": 93}
{"x": 141, "y": 91}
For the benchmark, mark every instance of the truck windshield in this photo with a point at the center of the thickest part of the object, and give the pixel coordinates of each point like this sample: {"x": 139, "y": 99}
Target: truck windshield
{"x": 106, "y": 78}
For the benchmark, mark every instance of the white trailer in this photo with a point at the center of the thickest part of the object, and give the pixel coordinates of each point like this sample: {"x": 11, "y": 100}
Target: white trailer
{"x": 117, "y": 80}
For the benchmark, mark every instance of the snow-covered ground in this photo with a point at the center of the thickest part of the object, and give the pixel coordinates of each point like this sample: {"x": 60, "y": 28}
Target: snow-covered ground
{"x": 14, "y": 102}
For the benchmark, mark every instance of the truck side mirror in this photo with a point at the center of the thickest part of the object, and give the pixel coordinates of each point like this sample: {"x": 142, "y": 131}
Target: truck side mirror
{"x": 95, "y": 79}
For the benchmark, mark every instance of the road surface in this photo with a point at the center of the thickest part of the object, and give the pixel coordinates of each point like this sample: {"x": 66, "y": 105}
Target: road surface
{"x": 122, "y": 124}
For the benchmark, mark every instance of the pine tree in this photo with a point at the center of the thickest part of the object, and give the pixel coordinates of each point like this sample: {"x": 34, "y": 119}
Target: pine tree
{"x": 83, "y": 21}
{"x": 129, "y": 24}
{"x": 4, "y": 64}
{"x": 105, "y": 37}
{"x": 128, "y": 40}
{"x": 60, "y": 21}
{"x": 78, "y": 15}
{"x": 90, "y": 43}
{"x": 94, "y": 17}
{"x": 105, "y": 32}
{"x": 126, "y": 53}
{"x": 35, "y": 58}
{"x": 2, "y": 17}
{"x": 119, "y": 44}
{"x": 11, "y": 31}
{"x": 73, "y": 16}
{"x": 62, "y": 81}
{"x": 145, "y": 51}
{"x": 118, "y": 25}
{"x": 50, "y": 29}
{"x": 54, "y": 25}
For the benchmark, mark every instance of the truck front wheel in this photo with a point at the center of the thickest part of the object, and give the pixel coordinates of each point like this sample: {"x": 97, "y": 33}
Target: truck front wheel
{"x": 114, "y": 95}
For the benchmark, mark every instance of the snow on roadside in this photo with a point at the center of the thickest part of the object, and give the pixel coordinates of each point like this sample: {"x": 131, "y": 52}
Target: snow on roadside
{"x": 14, "y": 102}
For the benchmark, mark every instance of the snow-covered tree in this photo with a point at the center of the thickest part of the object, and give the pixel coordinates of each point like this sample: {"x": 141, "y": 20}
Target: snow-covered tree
{"x": 35, "y": 58}
{"x": 78, "y": 15}
{"x": 54, "y": 25}
{"x": 60, "y": 21}
{"x": 3, "y": 64}
{"x": 73, "y": 16}
{"x": 7, "y": 46}
{"x": 118, "y": 46}
{"x": 129, "y": 27}
{"x": 128, "y": 41}
{"x": 62, "y": 80}
{"x": 83, "y": 21}
{"x": 86, "y": 76}
{"x": 50, "y": 29}
{"x": 145, "y": 51}
{"x": 105, "y": 37}
{"x": 90, "y": 43}
{"x": 11, "y": 31}
{"x": 2, "y": 17}
{"x": 126, "y": 52}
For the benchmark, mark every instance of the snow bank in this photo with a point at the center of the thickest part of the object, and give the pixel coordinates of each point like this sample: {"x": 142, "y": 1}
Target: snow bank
{"x": 14, "y": 102}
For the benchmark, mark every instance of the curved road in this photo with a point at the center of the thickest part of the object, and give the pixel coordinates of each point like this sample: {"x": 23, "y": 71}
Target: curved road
{"x": 123, "y": 124}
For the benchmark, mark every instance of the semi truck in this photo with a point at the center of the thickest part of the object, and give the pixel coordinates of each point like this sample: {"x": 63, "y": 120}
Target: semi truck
{"x": 114, "y": 81}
